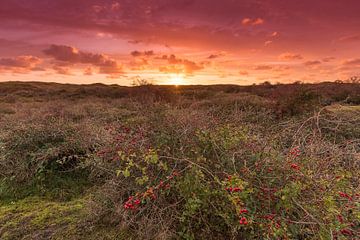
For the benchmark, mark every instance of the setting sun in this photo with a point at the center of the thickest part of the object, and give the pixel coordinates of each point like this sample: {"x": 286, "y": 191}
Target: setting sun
{"x": 176, "y": 80}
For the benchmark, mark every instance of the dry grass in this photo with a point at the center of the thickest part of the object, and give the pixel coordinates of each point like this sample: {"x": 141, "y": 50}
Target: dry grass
{"x": 291, "y": 153}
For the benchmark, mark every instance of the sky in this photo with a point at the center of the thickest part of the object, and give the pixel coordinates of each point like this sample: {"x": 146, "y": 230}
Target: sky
{"x": 179, "y": 41}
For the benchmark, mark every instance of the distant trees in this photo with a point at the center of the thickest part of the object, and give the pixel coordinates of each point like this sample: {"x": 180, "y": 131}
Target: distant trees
{"x": 138, "y": 81}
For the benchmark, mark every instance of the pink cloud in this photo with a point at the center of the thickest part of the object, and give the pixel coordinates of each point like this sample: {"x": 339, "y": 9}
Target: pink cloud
{"x": 351, "y": 38}
{"x": 20, "y": 64}
{"x": 267, "y": 43}
{"x": 71, "y": 55}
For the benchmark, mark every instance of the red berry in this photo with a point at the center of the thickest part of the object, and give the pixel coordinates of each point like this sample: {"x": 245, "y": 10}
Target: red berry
{"x": 243, "y": 221}
{"x": 295, "y": 166}
{"x": 244, "y": 211}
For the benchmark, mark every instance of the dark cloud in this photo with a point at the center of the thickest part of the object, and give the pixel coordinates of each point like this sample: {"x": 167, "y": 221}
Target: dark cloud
{"x": 312, "y": 63}
{"x": 63, "y": 53}
{"x": 212, "y": 56}
{"x": 72, "y": 55}
{"x": 142, "y": 54}
{"x": 216, "y": 55}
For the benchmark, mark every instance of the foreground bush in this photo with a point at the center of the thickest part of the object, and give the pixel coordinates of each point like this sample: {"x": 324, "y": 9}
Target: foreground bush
{"x": 45, "y": 151}
{"x": 181, "y": 177}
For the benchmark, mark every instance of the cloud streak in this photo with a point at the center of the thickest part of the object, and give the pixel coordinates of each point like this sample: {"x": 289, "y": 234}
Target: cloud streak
{"x": 290, "y": 56}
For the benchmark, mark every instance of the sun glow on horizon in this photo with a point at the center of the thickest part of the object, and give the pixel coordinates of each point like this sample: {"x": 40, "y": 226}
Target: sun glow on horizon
{"x": 176, "y": 80}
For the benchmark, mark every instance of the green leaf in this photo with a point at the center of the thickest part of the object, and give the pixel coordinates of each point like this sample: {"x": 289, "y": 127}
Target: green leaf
{"x": 126, "y": 173}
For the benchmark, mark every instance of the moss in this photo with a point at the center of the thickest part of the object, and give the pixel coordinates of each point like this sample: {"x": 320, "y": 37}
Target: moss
{"x": 31, "y": 215}
{"x": 56, "y": 186}
{"x": 41, "y": 218}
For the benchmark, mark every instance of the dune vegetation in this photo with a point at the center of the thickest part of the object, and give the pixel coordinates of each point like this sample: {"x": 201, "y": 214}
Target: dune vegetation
{"x": 188, "y": 162}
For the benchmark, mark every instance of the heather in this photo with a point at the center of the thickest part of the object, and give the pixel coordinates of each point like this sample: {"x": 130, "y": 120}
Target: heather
{"x": 187, "y": 162}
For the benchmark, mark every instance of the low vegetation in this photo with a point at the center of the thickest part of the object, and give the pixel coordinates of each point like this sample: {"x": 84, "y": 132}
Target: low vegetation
{"x": 187, "y": 162}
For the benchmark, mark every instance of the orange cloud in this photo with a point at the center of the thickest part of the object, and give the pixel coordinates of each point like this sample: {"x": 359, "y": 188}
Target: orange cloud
{"x": 62, "y": 70}
{"x": 139, "y": 64}
{"x": 252, "y": 22}
{"x": 281, "y": 68}
{"x": 88, "y": 71}
{"x": 171, "y": 69}
{"x": 352, "y": 62}
{"x": 274, "y": 34}
{"x": 258, "y": 21}
{"x": 263, "y": 67}
{"x": 180, "y": 65}
{"x": 290, "y": 56}
{"x": 328, "y": 59}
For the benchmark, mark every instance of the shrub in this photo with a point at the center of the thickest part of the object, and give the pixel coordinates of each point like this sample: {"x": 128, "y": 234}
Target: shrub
{"x": 219, "y": 182}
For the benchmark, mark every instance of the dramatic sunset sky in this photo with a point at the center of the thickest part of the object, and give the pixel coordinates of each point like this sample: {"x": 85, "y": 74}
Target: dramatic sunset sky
{"x": 179, "y": 41}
